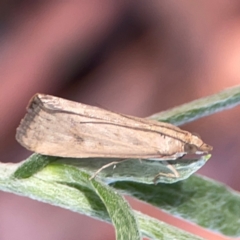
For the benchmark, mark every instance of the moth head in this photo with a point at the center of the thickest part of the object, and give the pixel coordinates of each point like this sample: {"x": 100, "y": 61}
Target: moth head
{"x": 196, "y": 146}
{"x": 190, "y": 148}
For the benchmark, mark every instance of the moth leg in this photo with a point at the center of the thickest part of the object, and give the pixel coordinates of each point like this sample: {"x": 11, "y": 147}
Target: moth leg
{"x": 162, "y": 174}
{"x": 106, "y": 166}
{"x": 173, "y": 174}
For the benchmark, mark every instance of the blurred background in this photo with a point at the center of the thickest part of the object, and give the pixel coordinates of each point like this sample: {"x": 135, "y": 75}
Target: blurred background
{"x": 133, "y": 57}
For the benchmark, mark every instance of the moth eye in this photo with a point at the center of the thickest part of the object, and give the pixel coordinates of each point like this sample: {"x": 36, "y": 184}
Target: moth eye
{"x": 197, "y": 135}
{"x": 190, "y": 148}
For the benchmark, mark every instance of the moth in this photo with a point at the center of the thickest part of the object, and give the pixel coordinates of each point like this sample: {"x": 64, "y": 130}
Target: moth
{"x": 59, "y": 127}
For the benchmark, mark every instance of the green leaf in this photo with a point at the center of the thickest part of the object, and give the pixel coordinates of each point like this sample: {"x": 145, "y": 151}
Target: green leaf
{"x": 200, "y": 200}
{"x": 32, "y": 165}
{"x": 122, "y": 216}
{"x": 199, "y": 108}
{"x": 69, "y": 187}
{"x": 155, "y": 229}
{"x": 196, "y": 199}
{"x": 135, "y": 170}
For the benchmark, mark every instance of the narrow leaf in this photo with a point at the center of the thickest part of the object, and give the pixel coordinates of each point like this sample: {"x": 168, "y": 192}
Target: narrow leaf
{"x": 200, "y": 200}
{"x": 68, "y": 187}
{"x": 199, "y": 108}
{"x": 122, "y": 216}
{"x": 136, "y": 170}
{"x": 158, "y": 230}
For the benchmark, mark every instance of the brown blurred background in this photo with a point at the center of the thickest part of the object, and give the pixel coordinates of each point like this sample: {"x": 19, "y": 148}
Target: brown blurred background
{"x": 134, "y": 57}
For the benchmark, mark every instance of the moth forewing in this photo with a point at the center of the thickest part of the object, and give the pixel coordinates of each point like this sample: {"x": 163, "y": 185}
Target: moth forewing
{"x": 59, "y": 127}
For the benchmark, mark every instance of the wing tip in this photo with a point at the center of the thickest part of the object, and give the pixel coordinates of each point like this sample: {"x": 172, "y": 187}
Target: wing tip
{"x": 33, "y": 109}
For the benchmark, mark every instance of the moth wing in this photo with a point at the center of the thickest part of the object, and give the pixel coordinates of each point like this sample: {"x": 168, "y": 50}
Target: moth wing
{"x": 58, "y": 127}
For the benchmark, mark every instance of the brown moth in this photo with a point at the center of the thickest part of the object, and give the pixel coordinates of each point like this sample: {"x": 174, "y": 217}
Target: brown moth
{"x": 58, "y": 127}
